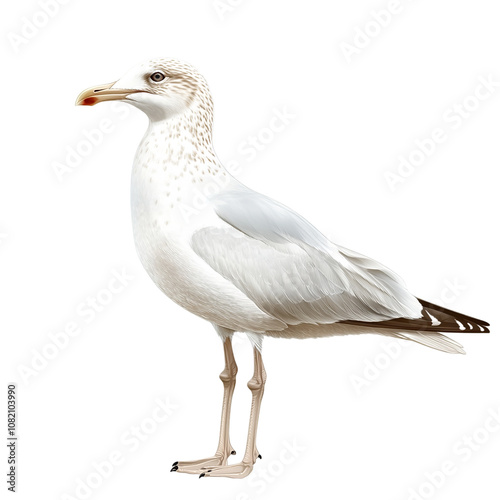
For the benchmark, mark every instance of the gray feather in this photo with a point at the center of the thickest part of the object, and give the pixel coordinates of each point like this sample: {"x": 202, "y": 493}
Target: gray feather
{"x": 292, "y": 271}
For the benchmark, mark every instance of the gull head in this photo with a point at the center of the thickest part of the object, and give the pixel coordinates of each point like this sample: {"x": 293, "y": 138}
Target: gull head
{"x": 161, "y": 88}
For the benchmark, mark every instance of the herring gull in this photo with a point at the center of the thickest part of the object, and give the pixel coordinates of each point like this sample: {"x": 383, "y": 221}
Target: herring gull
{"x": 241, "y": 260}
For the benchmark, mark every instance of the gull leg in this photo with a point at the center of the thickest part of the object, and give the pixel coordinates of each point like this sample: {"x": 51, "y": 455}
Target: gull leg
{"x": 224, "y": 449}
{"x": 228, "y": 377}
{"x": 256, "y": 385}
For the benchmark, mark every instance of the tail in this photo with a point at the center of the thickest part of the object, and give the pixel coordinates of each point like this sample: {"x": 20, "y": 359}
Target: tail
{"x": 428, "y": 329}
{"x": 434, "y": 340}
{"x": 434, "y": 319}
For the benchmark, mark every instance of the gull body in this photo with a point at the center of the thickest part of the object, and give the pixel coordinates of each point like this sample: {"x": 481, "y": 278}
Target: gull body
{"x": 241, "y": 260}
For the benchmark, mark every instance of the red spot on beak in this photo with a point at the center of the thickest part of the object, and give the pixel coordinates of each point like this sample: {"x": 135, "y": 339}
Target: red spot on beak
{"x": 90, "y": 101}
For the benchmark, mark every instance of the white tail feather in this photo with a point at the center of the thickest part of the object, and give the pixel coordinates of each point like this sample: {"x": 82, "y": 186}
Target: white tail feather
{"x": 434, "y": 340}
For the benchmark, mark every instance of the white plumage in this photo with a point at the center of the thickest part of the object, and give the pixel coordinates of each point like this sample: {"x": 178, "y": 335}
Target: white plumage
{"x": 241, "y": 260}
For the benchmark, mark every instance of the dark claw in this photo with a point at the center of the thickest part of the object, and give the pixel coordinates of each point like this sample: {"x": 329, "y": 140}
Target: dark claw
{"x": 233, "y": 453}
{"x": 174, "y": 464}
{"x": 174, "y": 468}
{"x": 260, "y": 456}
{"x": 201, "y": 475}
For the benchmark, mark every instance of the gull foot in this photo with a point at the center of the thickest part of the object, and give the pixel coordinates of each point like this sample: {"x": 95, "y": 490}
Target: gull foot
{"x": 235, "y": 471}
{"x": 201, "y": 465}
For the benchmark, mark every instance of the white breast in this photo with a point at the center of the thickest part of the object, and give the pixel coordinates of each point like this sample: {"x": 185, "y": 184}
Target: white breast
{"x": 168, "y": 204}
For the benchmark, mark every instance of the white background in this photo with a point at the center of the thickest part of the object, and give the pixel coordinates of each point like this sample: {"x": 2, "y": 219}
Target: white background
{"x": 62, "y": 239}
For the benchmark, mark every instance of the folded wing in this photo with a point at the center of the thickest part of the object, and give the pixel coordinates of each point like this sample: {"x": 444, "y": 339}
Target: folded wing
{"x": 292, "y": 271}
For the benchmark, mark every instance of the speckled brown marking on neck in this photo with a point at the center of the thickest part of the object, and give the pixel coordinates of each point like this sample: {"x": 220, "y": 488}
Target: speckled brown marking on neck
{"x": 176, "y": 161}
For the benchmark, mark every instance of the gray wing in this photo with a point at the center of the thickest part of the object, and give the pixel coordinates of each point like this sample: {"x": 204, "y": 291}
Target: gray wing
{"x": 292, "y": 271}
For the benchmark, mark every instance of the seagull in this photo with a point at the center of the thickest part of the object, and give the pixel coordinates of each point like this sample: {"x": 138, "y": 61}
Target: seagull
{"x": 243, "y": 261}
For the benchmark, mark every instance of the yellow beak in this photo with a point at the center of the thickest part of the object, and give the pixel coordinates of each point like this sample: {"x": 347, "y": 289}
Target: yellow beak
{"x": 101, "y": 93}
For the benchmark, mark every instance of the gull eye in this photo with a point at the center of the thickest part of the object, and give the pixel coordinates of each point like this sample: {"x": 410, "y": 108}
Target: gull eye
{"x": 157, "y": 77}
